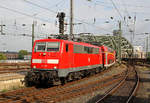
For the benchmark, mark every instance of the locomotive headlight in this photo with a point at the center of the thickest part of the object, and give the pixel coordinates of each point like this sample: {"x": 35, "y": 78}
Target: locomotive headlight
{"x": 34, "y": 66}
{"x": 55, "y": 67}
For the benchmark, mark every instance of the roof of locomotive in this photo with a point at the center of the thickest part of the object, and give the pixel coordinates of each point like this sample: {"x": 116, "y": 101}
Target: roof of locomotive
{"x": 67, "y": 41}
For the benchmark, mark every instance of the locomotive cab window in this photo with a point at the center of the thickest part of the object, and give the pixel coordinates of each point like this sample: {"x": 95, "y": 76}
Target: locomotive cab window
{"x": 40, "y": 47}
{"x": 95, "y": 50}
{"x": 52, "y": 46}
{"x": 47, "y": 46}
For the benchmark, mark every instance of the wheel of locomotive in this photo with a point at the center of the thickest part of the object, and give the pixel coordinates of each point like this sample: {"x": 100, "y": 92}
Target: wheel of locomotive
{"x": 27, "y": 81}
{"x": 70, "y": 77}
{"x": 82, "y": 74}
{"x": 93, "y": 71}
{"x": 79, "y": 74}
{"x": 63, "y": 80}
{"x": 97, "y": 70}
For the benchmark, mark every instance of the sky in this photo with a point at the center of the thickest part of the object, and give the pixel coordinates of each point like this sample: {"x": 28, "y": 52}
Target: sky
{"x": 95, "y": 16}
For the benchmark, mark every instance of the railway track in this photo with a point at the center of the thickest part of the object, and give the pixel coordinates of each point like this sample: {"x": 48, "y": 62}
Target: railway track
{"x": 13, "y": 70}
{"x": 14, "y": 67}
{"x": 14, "y": 64}
{"x": 123, "y": 91}
{"x": 61, "y": 93}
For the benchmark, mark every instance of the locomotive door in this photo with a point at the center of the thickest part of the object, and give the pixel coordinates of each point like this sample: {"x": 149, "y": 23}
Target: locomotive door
{"x": 69, "y": 55}
{"x": 103, "y": 57}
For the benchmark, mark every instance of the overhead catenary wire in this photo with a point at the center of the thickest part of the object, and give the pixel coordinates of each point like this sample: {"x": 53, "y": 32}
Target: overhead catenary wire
{"x": 40, "y": 6}
{"x": 129, "y": 5}
{"x": 22, "y": 13}
{"x": 45, "y": 8}
{"x": 32, "y": 16}
{"x": 19, "y": 29}
{"x": 124, "y": 4}
{"x": 26, "y": 30}
{"x": 24, "y": 35}
{"x": 126, "y": 24}
{"x": 117, "y": 9}
{"x": 58, "y": 3}
{"x": 81, "y": 20}
{"x": 55, "y": 12}
{"x": 120, "y": 15}
{"x": 108, "y": 5}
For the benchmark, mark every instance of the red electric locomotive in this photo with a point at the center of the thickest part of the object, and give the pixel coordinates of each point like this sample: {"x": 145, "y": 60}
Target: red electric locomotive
{"x": 55, "y": 60}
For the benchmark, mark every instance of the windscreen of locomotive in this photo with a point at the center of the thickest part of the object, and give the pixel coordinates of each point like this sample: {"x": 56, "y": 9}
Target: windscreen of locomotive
{"x": 40, "y": 47}
{"x": 52, "y": 46}
{"x": 47, "y": 46}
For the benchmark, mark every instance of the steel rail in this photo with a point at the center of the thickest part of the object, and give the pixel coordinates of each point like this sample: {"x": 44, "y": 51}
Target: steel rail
{"x": 46, "y": 92}
{"x": 66, "y": 91}
{"x": 83, "y": 92}
{"x": 111, "y": 90}
{"x": 135, "y": 87}
{"x": 114, "y": 88}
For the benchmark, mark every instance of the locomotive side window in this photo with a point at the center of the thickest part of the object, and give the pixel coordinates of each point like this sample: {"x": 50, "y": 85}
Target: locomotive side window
{"x": 52, "y": 46}
{"x": 40, "y": 47}
{"x": 85, "y": 49}
{"x": 78, "y": 49}
{"x": 67, "y": 48}
{"x": 90, "y": 50}
{"x": 95, "y": 50}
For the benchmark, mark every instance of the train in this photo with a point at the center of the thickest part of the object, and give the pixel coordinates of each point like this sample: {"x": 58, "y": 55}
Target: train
{"x": 58, "y": 60}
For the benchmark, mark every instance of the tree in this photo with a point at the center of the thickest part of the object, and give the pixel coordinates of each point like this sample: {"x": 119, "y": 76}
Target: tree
{"x": 148, "y": 57}
{"x": 2, "y": 56}
{"x": 22, "y": 53}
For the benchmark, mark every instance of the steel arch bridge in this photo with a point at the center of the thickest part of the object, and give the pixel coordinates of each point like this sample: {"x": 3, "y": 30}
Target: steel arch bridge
{"x": 110, "y": 41}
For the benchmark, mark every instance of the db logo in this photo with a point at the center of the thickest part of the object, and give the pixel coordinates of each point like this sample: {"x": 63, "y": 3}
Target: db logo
{"x": 44, "y": 61}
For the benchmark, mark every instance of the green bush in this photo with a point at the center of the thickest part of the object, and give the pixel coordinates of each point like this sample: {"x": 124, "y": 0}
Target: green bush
{"x": 22, "y": 53}
{"x": 2, "y": 56}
